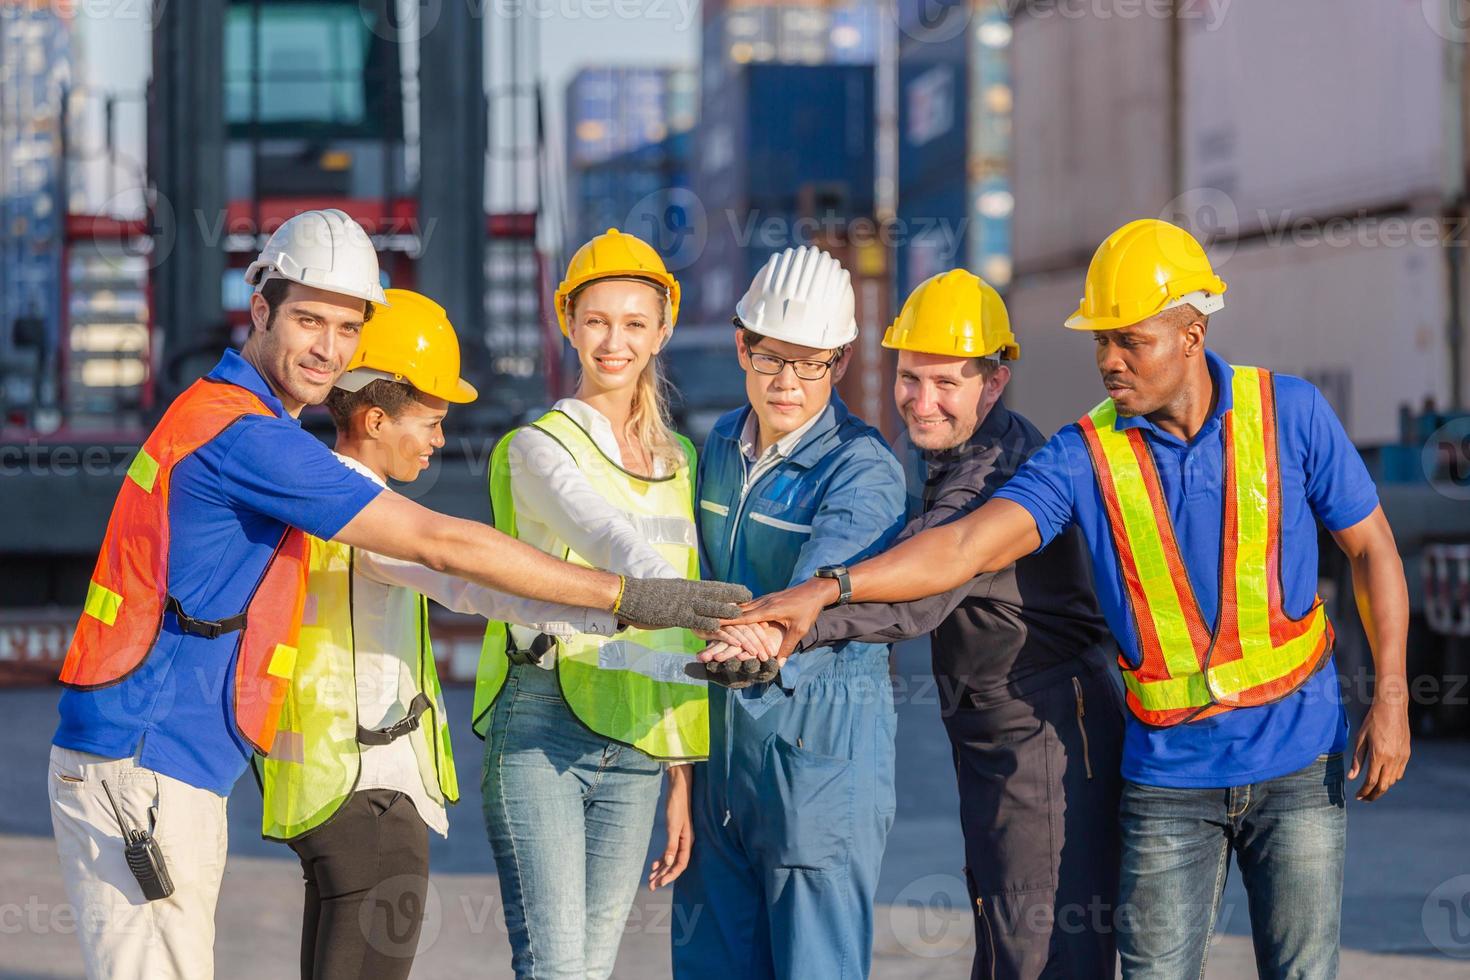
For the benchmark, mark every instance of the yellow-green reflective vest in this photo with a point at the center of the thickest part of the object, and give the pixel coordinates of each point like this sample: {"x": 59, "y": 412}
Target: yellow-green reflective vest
{"x": 629, "y": 688}
{"x": 314, "y": 760}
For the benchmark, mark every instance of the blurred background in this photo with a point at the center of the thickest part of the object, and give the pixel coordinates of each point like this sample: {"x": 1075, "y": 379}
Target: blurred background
{"x": 1319, "y": 147}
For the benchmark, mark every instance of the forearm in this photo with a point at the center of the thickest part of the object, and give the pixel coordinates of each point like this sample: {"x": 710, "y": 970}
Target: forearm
{"x": 461, "y": 596}
{"x": 945, "y": 557}
{"x": 883, "y": 622}
{"x": 483, "y": 555}
{"x": 399, "y": 528}
{"x": 1383, "y": 605}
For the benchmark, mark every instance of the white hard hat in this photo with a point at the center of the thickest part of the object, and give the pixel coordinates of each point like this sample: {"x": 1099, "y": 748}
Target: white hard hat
{"x": 325, "y": 249}
{"x": 802, "y": 296}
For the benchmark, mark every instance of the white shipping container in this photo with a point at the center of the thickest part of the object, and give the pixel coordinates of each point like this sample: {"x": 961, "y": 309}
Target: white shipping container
{"x": 1362, "y": 316}
{"x": 1091, "y": 131}
{"x": 1315, "y": 108}
{"x": 1363, "y": 321}
{"x": 1056, "y": 380}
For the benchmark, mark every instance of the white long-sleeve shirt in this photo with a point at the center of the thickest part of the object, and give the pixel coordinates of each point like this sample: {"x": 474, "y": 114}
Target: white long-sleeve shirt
{"x": 385, "y": 597}
{"x": 557, "y": 506}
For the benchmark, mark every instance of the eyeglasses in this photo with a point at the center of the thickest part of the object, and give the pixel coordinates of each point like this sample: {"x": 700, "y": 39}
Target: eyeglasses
{"x": 806, "y": 370}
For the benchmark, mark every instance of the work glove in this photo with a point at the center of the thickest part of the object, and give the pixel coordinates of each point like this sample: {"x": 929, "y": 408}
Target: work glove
{"x": 661, "y": 603}
{"x": 734, "y": 673}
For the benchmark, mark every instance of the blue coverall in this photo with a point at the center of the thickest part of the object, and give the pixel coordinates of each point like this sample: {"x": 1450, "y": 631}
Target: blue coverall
{"x": 792, "y": 809}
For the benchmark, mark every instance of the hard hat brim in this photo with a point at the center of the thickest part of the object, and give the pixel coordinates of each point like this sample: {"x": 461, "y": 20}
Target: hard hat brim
{"x": 1206, "y": 302}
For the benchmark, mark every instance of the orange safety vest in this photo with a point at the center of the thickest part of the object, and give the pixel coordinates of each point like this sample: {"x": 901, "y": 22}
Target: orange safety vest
{"x": 128, "y": 594}
{"x": 1256, "y": 654}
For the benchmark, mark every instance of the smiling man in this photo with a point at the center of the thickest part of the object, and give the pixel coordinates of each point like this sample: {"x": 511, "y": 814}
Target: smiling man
{"x": 187, "y": 640}
{"x": 1198, "y": 486}
{"x": 792, "y": 810}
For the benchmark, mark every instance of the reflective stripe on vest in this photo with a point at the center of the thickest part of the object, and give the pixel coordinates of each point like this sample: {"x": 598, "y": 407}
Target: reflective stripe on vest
{"x": 1256, "y": 654}
{"x": 315, "y": 758}
{"x": 124, "y": 607}
{"x": 630, "y": 688}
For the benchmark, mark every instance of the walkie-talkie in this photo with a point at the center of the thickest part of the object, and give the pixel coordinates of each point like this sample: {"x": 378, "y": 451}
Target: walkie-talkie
{"x": 145, "y": 857}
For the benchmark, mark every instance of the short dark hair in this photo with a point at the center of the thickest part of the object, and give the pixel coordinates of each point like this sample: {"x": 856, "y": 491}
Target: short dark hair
{"x": 391, "y": 396}
{"x": 274, "y": 292}
{"x": 987, "y": 366}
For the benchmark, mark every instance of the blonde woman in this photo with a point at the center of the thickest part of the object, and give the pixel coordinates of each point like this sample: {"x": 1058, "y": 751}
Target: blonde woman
{"x": 579, "y": 731}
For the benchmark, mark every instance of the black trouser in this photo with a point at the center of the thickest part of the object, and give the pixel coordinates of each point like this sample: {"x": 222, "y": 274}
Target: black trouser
{"x": 1038, "y": 768}
{"x": 367, "y": 875}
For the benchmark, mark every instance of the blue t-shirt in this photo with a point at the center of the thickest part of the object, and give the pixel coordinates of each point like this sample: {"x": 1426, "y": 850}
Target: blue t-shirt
{"x": 1322, "y": 477}
{"x": 229, "y": 504}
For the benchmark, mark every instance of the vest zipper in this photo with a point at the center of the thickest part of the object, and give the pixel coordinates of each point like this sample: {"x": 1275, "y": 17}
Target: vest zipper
{"x": 1082, "y": 726}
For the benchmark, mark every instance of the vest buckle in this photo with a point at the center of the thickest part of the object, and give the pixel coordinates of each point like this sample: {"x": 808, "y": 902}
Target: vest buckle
{"x": 210, "y": 629}
{"x": 533, "y": 655}
{"x": 395, "y": 731}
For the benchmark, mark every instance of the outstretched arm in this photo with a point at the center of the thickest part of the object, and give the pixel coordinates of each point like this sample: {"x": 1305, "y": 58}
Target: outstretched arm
{"x": 395, "y": 526}
{"x": 936, "y": 561}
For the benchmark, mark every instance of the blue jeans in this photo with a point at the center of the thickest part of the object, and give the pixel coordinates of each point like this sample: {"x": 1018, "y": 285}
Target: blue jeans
{"x": 1288, "y": 835}
{"x": 569, "y": 815}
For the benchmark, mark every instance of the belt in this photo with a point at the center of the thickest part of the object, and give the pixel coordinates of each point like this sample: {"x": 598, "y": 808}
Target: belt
{"x": 395, "y": 731}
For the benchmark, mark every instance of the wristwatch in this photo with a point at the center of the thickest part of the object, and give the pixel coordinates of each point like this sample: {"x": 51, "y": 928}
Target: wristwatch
{"x": 844, "y": 582}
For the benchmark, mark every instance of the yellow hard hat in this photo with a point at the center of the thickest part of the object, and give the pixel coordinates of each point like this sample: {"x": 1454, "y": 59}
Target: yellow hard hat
{"x": 954, "y": 314}
{"x": 1144, "y": 268}
{"x": 614, "y": 255}
{"x": 410, "y": 341}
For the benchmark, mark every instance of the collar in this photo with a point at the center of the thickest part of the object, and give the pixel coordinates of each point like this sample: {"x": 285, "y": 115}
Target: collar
{"x": 1221, "y": 376}
{"x": 596, "y": 425}
{"x": 360, "y": 467}
{"x": 783, "y": 446}
{"x": 234, "y": 369}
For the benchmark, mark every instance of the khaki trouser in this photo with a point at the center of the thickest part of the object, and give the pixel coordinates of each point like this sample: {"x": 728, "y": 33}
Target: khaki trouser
{"x": 123, "y": 935}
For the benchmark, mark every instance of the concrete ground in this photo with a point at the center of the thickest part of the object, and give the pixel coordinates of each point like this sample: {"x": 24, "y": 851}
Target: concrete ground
{"x": 1406, "y": 911}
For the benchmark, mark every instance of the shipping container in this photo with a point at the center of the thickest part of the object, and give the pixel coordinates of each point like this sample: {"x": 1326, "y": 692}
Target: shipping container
{"x": 1316, "y": 108}
{"x": 954, "y": 199}
{"x": 611, "y": 111}
{"x": 1091, "y": 136}
{"x": 1361, "y": 314}
{"x": 774, "y": 170}
{"x": 35, "y": 67}
{"x": 932, "y": 234}
{"x": 810, "y": 127}
{"x": 867, "y": 385}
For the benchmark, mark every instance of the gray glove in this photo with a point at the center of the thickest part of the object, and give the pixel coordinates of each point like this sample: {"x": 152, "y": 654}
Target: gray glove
{"x": 734, "y": 674}
{"x": 659, "y": 603}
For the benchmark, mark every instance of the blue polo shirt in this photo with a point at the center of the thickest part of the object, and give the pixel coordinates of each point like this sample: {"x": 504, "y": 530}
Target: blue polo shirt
{"x": 1323, "y": 478}
{"x": 229, "y": 504}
